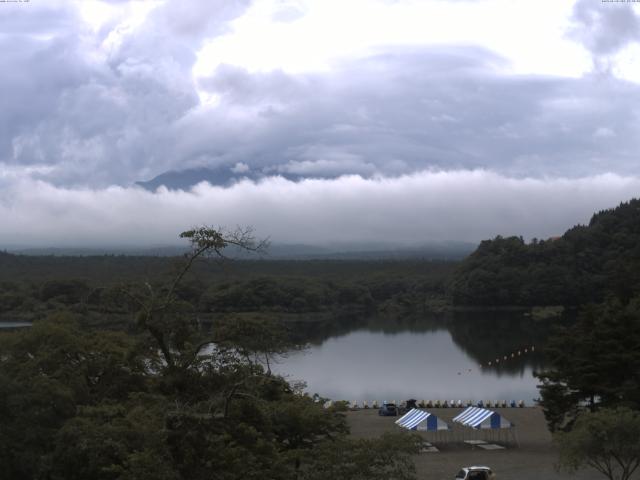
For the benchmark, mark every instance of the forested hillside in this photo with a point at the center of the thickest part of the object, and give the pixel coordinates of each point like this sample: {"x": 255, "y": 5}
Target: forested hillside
{"x": 32, "y": 287}
{"x": 584, "y": 265}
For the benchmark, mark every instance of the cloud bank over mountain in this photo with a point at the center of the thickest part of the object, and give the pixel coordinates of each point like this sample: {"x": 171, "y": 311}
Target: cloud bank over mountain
{"x": 410, "y": 210}
{"x": 378, "y": 104}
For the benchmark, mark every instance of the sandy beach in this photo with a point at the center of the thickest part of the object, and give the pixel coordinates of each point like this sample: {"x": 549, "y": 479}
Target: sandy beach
{"x": 534, "y": 457}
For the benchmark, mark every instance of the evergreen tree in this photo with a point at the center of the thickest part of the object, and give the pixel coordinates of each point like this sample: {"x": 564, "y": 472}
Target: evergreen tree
{"x": 594, "y": 363}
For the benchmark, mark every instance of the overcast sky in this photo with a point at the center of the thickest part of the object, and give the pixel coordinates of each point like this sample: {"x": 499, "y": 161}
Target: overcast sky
{"x": 434, "y": 119}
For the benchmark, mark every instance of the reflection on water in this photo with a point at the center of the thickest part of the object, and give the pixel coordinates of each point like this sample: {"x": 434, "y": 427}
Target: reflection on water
{"x": 445, "y": 358}
{"x": 11, "y": 325}
{"x": 431, "y": 358}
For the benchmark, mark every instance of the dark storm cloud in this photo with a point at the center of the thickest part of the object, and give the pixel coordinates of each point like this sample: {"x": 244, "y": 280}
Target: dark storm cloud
{"x": 100, "y": 116}
{"x": 38, "y": 63}
{"x": 407, "y": 110}
{"x": 604, "y": 28}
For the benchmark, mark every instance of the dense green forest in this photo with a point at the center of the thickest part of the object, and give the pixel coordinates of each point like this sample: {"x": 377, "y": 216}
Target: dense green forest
{"x": 169, "y": 399}
{"x": 584, "y": 265}
{"x": 31, "y": 287}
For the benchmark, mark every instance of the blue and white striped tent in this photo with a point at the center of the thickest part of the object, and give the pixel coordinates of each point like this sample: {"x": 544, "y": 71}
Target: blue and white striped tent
{"x": 481, "y": 418}
{"x": 416, "y": 419}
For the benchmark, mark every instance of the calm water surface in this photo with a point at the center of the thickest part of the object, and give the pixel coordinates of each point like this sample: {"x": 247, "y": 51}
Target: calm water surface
{"x": 14, "y": 324}
{"x": 423, "y": 360}
{"x": 442, "y": 363}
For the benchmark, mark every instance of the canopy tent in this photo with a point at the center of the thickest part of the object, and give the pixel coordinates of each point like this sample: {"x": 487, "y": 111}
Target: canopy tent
{"x": 481, "y": 418}
{"x": 420, "y": 420}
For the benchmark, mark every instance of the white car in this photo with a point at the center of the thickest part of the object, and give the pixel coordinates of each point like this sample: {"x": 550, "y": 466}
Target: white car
{"x": 475, "y": 473}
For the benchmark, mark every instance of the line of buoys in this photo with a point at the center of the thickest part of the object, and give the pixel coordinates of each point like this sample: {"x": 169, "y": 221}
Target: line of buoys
{"x": 354, "y": 405}
{"x": 510, "y": 356}
{"x": 505, "y": 358}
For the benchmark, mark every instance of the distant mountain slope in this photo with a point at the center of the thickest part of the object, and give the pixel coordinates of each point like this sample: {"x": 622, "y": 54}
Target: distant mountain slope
{"x": 584, "y": 265}
{"x": 132, "y": 251}
{"x": 219, "y": 176}
{"x": 429, "y": 251}
{"x": 185, "y": 179}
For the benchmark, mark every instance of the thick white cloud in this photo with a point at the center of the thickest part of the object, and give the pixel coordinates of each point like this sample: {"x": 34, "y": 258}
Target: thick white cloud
{"x": 529, "y": 34}
{"x": 413, "y": 209}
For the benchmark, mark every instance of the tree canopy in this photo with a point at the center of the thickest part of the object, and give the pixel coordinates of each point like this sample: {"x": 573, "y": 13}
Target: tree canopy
{"x": 593, "y": 363}
{"x": 607, "y": 440}
{"x": 169, "y": 400}
{"x": 584, "y": 265}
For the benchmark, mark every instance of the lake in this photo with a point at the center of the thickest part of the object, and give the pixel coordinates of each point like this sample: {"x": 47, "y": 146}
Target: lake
{"x": 14, "y": 324}
{"x": 431, "y": 358}
{"x": 425, "y": 359}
